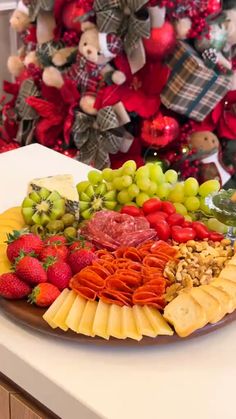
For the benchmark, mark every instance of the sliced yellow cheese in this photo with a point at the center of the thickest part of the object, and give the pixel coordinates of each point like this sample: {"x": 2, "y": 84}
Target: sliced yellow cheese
{"x": 60, "y": 318}
{"x": 54, "y": 308}
{"x": 228, "y": 286}
{"x": 223, "y": 299}
{"x": 143, "y": 324}
{"x": 114, "y": 327}
{"x": 129, "y": 324}
{"x": 229, "y": 272}
{"x": 157, "y": 321}
{"x": 76, "y": 312}
{"x": 100, "y": 323}
{"x": 86, "y": 323}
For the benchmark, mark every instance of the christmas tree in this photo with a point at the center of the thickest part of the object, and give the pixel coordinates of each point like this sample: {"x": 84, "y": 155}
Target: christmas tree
{"x": 104, "y": 81}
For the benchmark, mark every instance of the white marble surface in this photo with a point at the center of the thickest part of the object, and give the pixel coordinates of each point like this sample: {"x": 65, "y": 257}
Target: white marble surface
{"x": 189, "y": 380}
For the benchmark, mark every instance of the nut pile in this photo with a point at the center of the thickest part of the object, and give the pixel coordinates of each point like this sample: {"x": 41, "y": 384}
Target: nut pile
{"x": 197, "y": 264}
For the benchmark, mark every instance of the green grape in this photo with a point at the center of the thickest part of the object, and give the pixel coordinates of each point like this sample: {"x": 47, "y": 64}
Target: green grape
{"x": 215, "y": 225}
{"x": 192, "y": 203}
{"x": 171, "y": 176}
{"x": 81, "y": 186}
{"x": 94, "y": 177}
{"x": 156, "y": 174}
{"x": 142, "y": 172}
{"x": 203, "y": 207}
{"x": 117, "y": 172}
{"x": 180, "y": 208}
{"x": 117, "y": 184}
{"x": 126, "y": 181}
{"x": 163, "y": 190}
{"x": 109, "y": 186}
{"x": 141, "y": 198}
{"x": 191, "y": 187}
{"x": 144, "y": 184}
{"x": 188, "y": 218}
{"x": 129, "y": 167}
{"x": 177, "y": 193}
{"x": 123, "y": 197}
{"x": 209, "y": 187}
{"x": 107, "y": 174}
{"x": 133, "y": 191}
{"x": 152, "y": 190}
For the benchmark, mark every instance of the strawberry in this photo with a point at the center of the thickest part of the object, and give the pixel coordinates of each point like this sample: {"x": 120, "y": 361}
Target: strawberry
{"x": 79, "y": 259}
{"x": 82, "y": 244}
{"x": 30, "y": 270}
{"x": 43, "y": 295}
{"x": 59, "y": 274}
{"x": 26, "y": 242}
{"x": 58, "y": 239}
{"x": 12, "y": 287}
{"x": 59, "y": 252}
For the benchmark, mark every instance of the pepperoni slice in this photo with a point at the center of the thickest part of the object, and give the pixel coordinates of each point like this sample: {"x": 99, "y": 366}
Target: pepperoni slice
{"x": 116, "y": 297}
{"x": 86, "y": 293}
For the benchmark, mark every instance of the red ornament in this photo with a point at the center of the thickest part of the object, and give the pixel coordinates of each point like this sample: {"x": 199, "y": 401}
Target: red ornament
{"x": 214, "y": 7}
{"x": 72, "y": 12}
{"x": 161, "y": 42}
{"x": 159, "y": 131}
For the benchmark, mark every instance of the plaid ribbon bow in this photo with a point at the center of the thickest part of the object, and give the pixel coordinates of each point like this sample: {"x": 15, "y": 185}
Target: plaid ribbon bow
{"x": 36, "y": 5}
{"x": 125, "y": 18}
{"x": 97, "y": 136}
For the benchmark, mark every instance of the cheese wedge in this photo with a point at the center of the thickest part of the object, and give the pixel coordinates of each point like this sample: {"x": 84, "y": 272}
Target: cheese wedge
{"x": 209, "y": 303}
{"x": 64, "y": 185}
{"x": 223, "y": 299}
{"x": 185, "y": 314}
{"x": 229, "y": 272}
{"x": 229, "y": 287}
{"x": 86, "y": 323}
{"x": 54, "y": 308}
{"x": 129, "y": 325}
{"x": 157, "y": 321}
{"x": 115, "y": 326}
{"x": 143, "y": 324}
{"x": 75, "y": 313}
{"x": 60, "y": 318}
{"x": 100, "y": 323}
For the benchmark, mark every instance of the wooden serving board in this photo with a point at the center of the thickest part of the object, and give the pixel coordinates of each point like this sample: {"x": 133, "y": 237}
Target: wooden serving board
{"x": 31, "y": 316}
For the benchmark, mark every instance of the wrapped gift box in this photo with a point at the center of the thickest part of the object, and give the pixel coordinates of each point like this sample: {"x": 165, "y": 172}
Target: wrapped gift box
{"x": 193, "y": 89}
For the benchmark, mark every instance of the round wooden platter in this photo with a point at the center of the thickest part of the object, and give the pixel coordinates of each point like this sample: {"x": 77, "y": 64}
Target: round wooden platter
{"x": 31, "y": 316}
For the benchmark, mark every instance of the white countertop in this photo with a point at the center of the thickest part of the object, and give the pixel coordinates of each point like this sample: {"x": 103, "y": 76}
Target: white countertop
{"x": 187, "y": 380}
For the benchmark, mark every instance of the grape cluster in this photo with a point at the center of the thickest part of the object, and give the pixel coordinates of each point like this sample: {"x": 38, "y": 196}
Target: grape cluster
{"x": 134, "y": 186}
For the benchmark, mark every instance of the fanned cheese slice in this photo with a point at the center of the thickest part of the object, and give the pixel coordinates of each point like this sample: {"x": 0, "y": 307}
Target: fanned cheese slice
{"x": 86, "y": 323}
{"x": 129, "y": 325}
{"x": 64, "y": 185}
{"x": 100, "y": 323}
{"x": 143, "y": 324}
{"x": 157, "y": 321}
{"x": 75, "y": 313}
{"x": 114, "y": 327}
{"x": 54, "y": 308}
{"x": 62, "y": 313}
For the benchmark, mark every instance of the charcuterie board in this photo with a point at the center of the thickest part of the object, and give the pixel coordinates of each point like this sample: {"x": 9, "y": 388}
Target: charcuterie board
{"x": 31, "y": 317}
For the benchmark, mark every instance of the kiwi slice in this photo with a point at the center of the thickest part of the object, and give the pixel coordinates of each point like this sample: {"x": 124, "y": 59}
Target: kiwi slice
{"x": 42, "y": 206}
{"x": 96, "y": 198}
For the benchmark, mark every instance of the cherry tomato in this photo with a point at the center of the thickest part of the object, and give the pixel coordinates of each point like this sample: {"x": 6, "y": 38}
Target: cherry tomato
{"x": 131, "y": 210}
{"x": 175, "y": 220}
{"x": 163, "y": 230}
{"x": 155, "y": 217}
{"x": 216, "y": 237}
{"x": 182, "y": 235}
{"x": 201, "y": 230}
{"x": 168, "y": 207}
{"x": 152, "y": 205}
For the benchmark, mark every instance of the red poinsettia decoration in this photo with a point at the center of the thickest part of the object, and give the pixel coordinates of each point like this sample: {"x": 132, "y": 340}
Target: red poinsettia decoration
{"x": 56, "y": 113}
{"x": 141, "y": 91}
